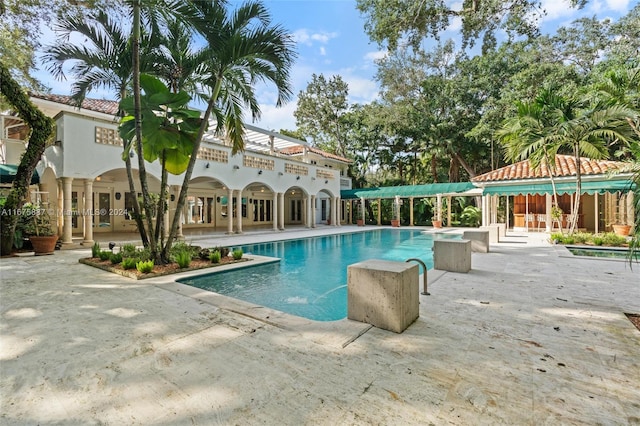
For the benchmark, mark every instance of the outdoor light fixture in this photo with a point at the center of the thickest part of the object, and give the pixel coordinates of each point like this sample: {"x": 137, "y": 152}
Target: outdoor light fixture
{"x": 207, "y": 166}
{"x": 259, "y": 172}
{"x": 280, "y": 173}
{"x": 312, "y": 178}
{"x": 298, "y": 178}
{"x": 326, "y": 181}
{"x": 236, "y": 167}
{"x": 130, "y": 154}
{"x": 112, "y": 245}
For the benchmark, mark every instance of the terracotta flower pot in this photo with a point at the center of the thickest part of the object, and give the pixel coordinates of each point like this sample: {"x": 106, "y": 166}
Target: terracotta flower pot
{"x": 360, "y": 222}
{"x": 436, "y": 223}
{"x": 43, "y": 244}
{"x": 395, "y": 223}
{"x": 622, "y": 230}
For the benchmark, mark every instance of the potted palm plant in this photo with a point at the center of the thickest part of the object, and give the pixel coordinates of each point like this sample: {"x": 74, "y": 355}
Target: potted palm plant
{"x": 37, "y": 226}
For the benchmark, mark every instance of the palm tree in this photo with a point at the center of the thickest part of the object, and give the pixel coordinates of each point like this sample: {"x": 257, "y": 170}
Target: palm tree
{"x": 524, "y": 136}
{"x": 554, "y": 124}
{"x": 104, "y": 60}
{"x": 241, "y": 49}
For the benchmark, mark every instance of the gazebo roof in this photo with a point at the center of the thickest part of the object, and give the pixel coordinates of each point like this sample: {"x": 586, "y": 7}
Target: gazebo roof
{"x": 565, "y": 167}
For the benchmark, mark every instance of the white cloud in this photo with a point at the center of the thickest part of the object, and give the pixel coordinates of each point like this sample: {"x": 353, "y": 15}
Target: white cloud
{"x": 377, "y": 55}
{"x": 305, "y": 36}
{"x": 323, "y": 51}
{"x": 621, "y": 6}
{"x": 557, "y": 9}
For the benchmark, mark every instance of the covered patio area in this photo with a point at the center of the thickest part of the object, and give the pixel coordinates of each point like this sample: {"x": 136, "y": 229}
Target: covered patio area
{"x": 523, "y": 197}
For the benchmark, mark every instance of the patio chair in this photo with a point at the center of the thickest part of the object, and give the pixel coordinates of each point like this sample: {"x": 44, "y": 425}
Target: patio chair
{"x": 530, "y": 219}
{"x": 542, "y": 220}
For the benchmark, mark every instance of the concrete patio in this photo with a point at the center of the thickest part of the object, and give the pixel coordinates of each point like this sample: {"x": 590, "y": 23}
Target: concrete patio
{"x": 531, "y": 335}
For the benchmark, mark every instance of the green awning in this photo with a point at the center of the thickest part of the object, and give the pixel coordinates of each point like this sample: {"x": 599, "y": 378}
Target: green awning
{"x": 8, "y": 174}
{"x": 406, "y": 191}
{"x": 588, "y": 187}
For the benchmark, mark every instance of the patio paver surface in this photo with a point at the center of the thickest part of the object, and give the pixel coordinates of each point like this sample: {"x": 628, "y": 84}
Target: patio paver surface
{"x": 529, "y": 336}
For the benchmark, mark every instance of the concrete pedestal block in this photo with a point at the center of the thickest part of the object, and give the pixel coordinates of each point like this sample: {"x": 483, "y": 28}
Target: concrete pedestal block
{"x": 479, "y": 240}
{"x": 494, "y": 233}
{"x": 502, "y": 230}
{"x": 383, "y": 293}
{"x": 452, "y": 255}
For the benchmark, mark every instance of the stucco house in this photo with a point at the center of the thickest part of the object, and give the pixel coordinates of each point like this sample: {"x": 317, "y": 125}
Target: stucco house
{"x": 277, "y": 181}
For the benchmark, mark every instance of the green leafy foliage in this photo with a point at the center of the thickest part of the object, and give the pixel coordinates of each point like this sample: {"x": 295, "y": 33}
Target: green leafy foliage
{"x": 129, "y": 263}
{"x": 104, "y": 254}
{"x": 145, "y": 266}
{"x": 214, "y": 256}
{"x": 237, "y": 254}
{"x": 183, "y": 258}
{"x": 95, "y": 249}
{"x": 115, "y": 258}
{"x": 169, "y": 127}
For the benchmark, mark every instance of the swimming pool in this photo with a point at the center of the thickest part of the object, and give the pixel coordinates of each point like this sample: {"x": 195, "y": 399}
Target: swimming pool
{"x": 605, "y": 252}
{"x": 310, "y": 279}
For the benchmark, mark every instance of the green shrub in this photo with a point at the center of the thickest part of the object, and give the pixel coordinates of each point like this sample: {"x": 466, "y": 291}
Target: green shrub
{"x": 95, "y": 249}
{"x": 183, "y": 258}
{"x": 237, "y": 254}
{"x": 129, "y": 262}
{"x": 569, "y": 239}
{"x": 557, "y": 238}
{"x": 181, "y": 247}
{"x": 582, "y": 237}
{"x": 611, "y": 239}
{"x": 598, "y": 240}
{"x": 128, "y": 250}
{"x": 104, "y": 254}
{"x": 214, "y": 256}
{"x": 224, "y": 251}
{"x": 115, "y": 258}
{"x": 145, "y": 266}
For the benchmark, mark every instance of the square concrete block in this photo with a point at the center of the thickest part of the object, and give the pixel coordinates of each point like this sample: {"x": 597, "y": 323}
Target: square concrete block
{"x": 502, "y": 229}
{"x": 494, "y": 233}
{"x": 383, "y": 293}
{"x": 452, "y": 255}
{"x": 479, "y": 240}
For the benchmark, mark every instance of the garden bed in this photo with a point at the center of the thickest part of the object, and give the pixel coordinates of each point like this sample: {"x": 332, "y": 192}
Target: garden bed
{"x": 158, "y": 270}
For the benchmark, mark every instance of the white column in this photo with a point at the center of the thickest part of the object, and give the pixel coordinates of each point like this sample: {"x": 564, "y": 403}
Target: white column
{"x": 364, "y": 221}
{"x": 59, "y": 207}
{"x": 313, "y": 211}
{"x": 439, "y": 207}
{"x": 449, "y": 211}
{"x": 485, "y": 210}
{"x": 333, "y": 212}
{"x": 596, "y": 213}
{"x": 630, "y": 210}
{"x": 229, "y": 211}
{"x": 379, "y": 212}
{"x": 281, "y": 211}
{"x": 239, "y": 212}
{"x": 549, "y": 204}
{"x": 338, "y": 211}
{"x": 88, "y": 212}
{"x": 274, "y": 211}
{"x": 307, "y": 204}
{"x": 67, "y": 230}
{"x": 410, "y": 211}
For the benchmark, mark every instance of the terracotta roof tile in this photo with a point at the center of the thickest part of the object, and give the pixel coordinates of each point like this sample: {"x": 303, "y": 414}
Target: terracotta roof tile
{"x": 297, "y": 150}
{"x": 565, "y": 166}
{"x": 97, "y": 105}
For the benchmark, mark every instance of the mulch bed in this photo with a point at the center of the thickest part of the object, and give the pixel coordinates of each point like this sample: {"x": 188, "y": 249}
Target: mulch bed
{"x": 635, "y": 320}
{"x": 158, "y": 270}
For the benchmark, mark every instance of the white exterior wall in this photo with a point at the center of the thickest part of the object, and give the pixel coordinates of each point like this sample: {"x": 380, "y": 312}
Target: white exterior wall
{"x": 79, "y": 157}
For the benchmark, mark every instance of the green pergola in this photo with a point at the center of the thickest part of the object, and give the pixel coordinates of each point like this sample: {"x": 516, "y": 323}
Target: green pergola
{"x": 406, "y": 191}
{"x": 587, "y": 187}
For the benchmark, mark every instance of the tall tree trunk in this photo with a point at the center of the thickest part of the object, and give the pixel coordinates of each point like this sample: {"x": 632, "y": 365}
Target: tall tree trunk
{"x": 142, "y": 172}
{"x": 41, "y": 128}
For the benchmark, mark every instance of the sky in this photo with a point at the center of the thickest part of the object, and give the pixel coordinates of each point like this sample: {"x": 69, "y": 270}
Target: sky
{"x": 330, "y": 40}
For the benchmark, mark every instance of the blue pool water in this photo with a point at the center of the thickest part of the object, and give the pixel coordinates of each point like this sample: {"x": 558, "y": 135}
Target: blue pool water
{"x": 311, "y": 278}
